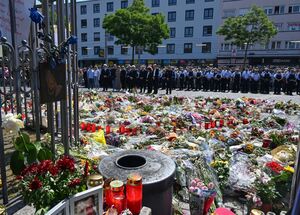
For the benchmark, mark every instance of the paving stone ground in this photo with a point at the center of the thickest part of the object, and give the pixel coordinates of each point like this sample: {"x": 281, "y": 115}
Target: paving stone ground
{"x": 192, "y": 94}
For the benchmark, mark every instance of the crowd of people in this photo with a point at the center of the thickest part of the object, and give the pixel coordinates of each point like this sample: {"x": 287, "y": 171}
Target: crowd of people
{"x": 149, "y": 79}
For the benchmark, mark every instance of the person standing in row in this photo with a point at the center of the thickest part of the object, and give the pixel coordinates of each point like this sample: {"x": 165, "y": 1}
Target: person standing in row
{"x": 133, "y": 75}
{"x": 169, "y": 80}
{"x": 123, "y": 78}
{"x": 156, "y": 78}
{"x": 298, "y": 81}
{"x": 143, "y": 79}
{"x": 278, "y": 78}
{"x": 113, "y": 76}
{"x": 105, "y": 73}
{"x": 190, "y": 79}
{"x": 255, "y": 77}
{"x": 236, "y": 77}
{"x": 150, "y": 79}
{"x": 218, "y": 80}
{"x": 181, "y": 79}
{"x": 198, "y": 80}
{"x": 291, "y": 82}
{"x": 245, "y": 81}
{"x": 96, "y": 77}
{"x": 90, "y": 74}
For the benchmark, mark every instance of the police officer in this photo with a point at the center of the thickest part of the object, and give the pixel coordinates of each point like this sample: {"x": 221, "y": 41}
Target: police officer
{"x": 255, "y": 77}
{"x": 105, "y": 73}
{"x": 265, "y": 81}
{"x": 181, "y": 79}
{"x": 245, "y": 81}
{"x": 142, "y": 79}
{"x": 298, "y": 82}
{"x": 227, "y": 80}
{"x": 210, "y": 77}
{"x": 198, "y": 80}
{"x": 150, "y": 79}
{"x": 218, "y": 81}
{"x": 291, "y": 82}
{"x": 277, "y": 82}
{"x": 190, "y": 79}
{"x": 169, "y": 74}
{"x": 123, "y": 78}
{"x": 236, "y": 77}
{"x": 156, "y": 78}
{"x": 223, "y": 80}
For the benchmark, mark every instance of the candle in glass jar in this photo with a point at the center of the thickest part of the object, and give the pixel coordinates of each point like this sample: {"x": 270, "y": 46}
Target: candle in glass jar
{"x": 134, "y": 193}
{"x": 118, "y": 199}
{"x": 134, "y": 131}
{"x": 83, "y": 126}
{"x": 221, "y": 122}
{"x": 212, "y": 124}
{"x": 207, "y": 125}
{"x": 122, "y": 129}
{"x": 93, "y": 127}
{"x": 107, "y": 129}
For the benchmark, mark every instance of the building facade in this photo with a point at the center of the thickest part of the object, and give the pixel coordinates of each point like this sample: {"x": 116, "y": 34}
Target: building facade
{"x": 193, "y": 25}
{"x": 284, "y": 48}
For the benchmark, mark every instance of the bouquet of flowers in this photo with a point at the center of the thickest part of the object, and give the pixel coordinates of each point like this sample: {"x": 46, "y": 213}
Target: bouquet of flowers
{"x": 46, "y": 183}
{"x": 201, "y": 196}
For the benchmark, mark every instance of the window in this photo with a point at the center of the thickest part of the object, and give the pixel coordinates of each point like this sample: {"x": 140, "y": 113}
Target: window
{"x": 228, "y": 13}
{"x": 83, "y": 37}
{"x": 172, "y": 16}
{"x": 226, "y": 47}
{"x": 294, "y": 9}
{"x": 190, "y": 1}
{"x": 83, "y": 9}
{"x": 206, "y": 48}
{"x": 188, "y": 48}
{"x": 84, "y": 50}
{"x": 188, "y": 31}
{"x": 172, "y": 32}
{"x": 154, "y": 14}
{"x": 189, "y": 15}
{"x": 208, "y": 13}
{"x": 96, "y": 22}
{"x": 110, "y": 50}
{"x": 292, "y": 45}
{"x": 110, "y": 37}
{"x": 170, "y": 48}
{"x": 96, "y": 8}
{"x": 96, "y": 50}
{"x": 83, "y": 23}
{"x": 124, "y": 50}
{"x": 172, "y": 2}
{"x": 96, "y": 36}
{"x": 155, "y": 3}
{"x": 208, "y": 0}
{"x": 268, "y": 10}
{"x": 279, "y": 9}
{"x": 294, "y": 26}
{"x": 278, "y": 26}
{"x": 110, "y": 6}
{"x": 207, "y": 30}
{"x": 124, "y": 4}
{"x": 243, "y": 11}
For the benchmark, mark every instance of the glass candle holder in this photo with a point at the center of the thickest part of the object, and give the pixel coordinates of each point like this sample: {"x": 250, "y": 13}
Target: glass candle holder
{"x": 134, "y": 193}
{"x": 118, "y": 199}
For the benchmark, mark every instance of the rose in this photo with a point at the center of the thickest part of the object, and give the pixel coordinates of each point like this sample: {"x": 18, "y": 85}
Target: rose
{"x": 35, "y": 184}
{"x": 74, "y": 182}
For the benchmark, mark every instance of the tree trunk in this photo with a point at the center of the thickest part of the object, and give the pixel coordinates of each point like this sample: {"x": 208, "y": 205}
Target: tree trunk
{"x": 245, "y": 56}
{"x": 132, "y": 59}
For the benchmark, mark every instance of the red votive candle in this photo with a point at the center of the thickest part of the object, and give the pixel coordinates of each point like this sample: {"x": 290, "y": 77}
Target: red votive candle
{"x": 122, "y": 129}
{"x": 134, "y": 131}
{"x": 93, "y": 127}
{"x": 207, "y": 125}
{"x": 83, "y": 126}
{"x": 107, "y": 129}
{"x": 134, "y": 193}
{"x": 212, "y": 124}
{"x": 118, "y": 197}
{"x": 221, "y": 122}
{"x": 245, "y": 121}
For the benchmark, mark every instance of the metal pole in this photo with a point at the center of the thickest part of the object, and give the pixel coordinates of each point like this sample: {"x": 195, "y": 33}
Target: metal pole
{"x": 63, "y": 103}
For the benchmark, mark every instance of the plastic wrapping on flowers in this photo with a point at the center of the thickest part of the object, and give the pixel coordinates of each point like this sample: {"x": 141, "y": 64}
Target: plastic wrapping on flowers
{"x": 223, "y": 141}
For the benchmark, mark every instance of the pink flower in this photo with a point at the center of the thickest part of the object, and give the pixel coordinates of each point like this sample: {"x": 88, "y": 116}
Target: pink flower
{"x": 211, "y": 186}
{"x": 194, "y": 183}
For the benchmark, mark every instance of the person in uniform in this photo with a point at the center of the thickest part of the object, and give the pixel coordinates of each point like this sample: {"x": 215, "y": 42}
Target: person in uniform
{"x": 190, "y": 79}
{"x": 291, "y": 82}
{"x": 143, "y": 79}
{"x": 255, "y": 78}
{"x": 266, "y": 78}
{"x": 149, "y": 79}
{"x": 181, "y": 79}
{"x": 222, "y": 80}
{"x": 227, "y": 80}
{"x": 277, "y": 82}
{"x": 236, "y": 77}
{"x": 113, "y": 76}
{"x": 198, "y": 80}
{"x": 105, "y": 73}
{"x": 245, "y": 81}
{"x": 218, "y": 81}
{"x": 123, "y": 78}
{"x": 156, "y": 78}
{"x": 211, "y": 80}
{"x": 169, "y": 74}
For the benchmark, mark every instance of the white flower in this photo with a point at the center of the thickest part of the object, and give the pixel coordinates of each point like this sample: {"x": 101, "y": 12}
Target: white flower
{"x": 10, "y": 123}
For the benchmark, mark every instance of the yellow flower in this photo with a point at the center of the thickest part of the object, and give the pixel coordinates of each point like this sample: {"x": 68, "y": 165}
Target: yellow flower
{"x": 289, "y": 169}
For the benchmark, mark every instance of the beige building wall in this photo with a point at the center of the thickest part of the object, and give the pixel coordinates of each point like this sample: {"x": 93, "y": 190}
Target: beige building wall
{"x": 283, "y": 48}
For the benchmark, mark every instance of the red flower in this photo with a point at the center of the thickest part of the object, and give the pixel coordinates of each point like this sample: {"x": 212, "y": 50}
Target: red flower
{"x": 274, "y": 166}
{"x": 35, "y": 184}
{"x": 74, "y": 182}
{"x": 45, "y": 166}
{"x": 19, "y": 177}
{"x": 53, "y": 170}
{"x": 31, "y": 170}
{"x": 66, "y": 163}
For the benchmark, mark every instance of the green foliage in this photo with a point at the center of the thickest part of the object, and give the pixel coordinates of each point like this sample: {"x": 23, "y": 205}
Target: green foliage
{"x": 148, "y": 108}
{"x": 27, "y": 152}
{"x": 253, "y": 27}
{"x": 135, "y": 26}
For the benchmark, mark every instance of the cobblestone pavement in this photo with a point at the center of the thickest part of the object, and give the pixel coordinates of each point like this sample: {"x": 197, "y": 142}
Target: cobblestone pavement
{"x": 295, "y": 98}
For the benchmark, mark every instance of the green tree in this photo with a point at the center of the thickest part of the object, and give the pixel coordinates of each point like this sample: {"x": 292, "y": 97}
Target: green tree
{"x": 253, "y": 27}
{"x": 136, "y": 27}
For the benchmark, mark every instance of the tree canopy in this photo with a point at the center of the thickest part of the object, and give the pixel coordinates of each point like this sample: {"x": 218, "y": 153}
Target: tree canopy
{"x": 136, "y": 27}
{"x": 253, "y": 27}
